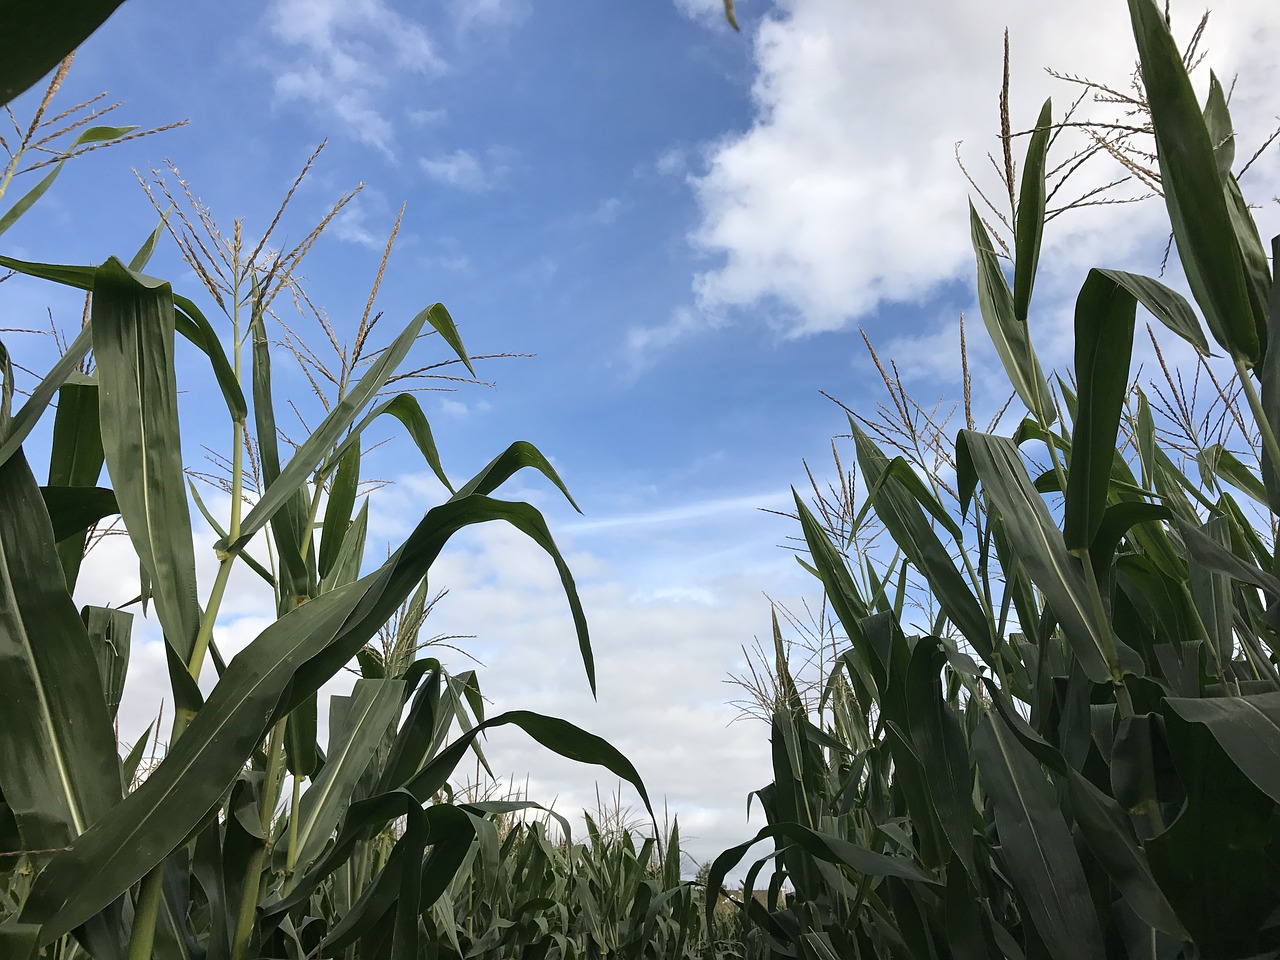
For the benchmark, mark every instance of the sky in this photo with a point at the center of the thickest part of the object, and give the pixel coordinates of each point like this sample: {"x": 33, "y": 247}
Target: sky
{"x": 686, "y": 227}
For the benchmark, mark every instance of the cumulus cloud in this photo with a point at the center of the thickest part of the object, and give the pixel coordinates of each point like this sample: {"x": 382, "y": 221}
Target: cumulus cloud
{"x": 344, "y": 55}
{"x": 843, "y": 195}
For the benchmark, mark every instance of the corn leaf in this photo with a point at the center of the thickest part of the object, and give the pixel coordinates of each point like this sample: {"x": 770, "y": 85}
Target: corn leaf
{"x": 1036, "y": 847}
{"x": 1105, "y": 312}
{"x": 289, "y": 525}
{"x": 58, "y": 764}
{"x": 337, "y": 511}
{"x": 1038, "y": 543}
{"x": 371, "y": 709}
{"x": 1202, "y": 224}
{"x": 1029, "y": 222}
{"x": 33, "y": 42}
{"x": 1011, "y": 338}
{"x": 312, "y": 452}
{"x": 132, "y": 321}
{"x": 75, "y": 459}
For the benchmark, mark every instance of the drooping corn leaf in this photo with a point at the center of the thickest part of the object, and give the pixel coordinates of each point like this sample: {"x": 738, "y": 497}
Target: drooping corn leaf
{"x": 109, "y": 633}
{"x": 284, "y": 666}
{"x": 132, "y": 321}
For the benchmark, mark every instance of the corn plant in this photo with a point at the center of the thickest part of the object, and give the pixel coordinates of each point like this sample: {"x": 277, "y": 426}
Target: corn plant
{"x": 1054, "y": 727}
{"x": 247, "y": 839}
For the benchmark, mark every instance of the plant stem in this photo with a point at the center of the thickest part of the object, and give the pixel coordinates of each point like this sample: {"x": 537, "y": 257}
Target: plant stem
{"x": 211, "y": 610}
{"x": 292, "y": 860}
{"x": 253, "y": 871}
{"x": 142, "y": 939}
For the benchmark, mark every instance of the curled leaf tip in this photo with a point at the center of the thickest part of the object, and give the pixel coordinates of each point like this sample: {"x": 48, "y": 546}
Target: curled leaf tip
{"x": 729, "y": 15}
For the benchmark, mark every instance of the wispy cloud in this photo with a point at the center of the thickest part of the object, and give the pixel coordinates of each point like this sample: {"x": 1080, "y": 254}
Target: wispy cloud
{"x": 464, "y": 170}
{"x": 459, "y": 169}
{"x": 340, "y": 55}
{"x": 717, "y": 508}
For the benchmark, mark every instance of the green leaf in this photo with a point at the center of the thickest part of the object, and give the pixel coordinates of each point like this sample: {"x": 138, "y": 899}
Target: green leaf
{"x": 337, "y": 512}
{"x": 74, "y": 509}
{"x": 899, "y": 507}
{"x": 198, "y": 769}
{"x": 1030, "y": 218}
{"x": 1010, "y": 335}
{"x": 289, "y": 526}
{"x": 301, "y": 756}
{"x": 1107, "y": 830}
{"x": 1202, "y": 225}
{"x": 1036, "y": 847}
{"x": 191, "y": 323}
{"x": 188, "y": 321}
{"x": 841, "y": 591}
{"x": 1166, "y": 305}
{"x": 371, "y": 709}
{"x": 109, "y": 632}
{"x": 501, "y": 468}
{"x": 280, "y": 669}
{"x": 28, "y": 199}
{"x": 821, "y": 846}
{"x": 1222, "y": 463}
{"x": 132, "y": 323}
{"x": 33, "y": 42}
{"x": 58, "y": 764}
{"x": 143, "y": 256}
{"x": 1213, "y": 861}
{"x": 1039, "y": 545}
{"x": 940, "y": 745}
{"x": 1247, "y": 728}
{"x": 346, "y": 567}
{"x": 75, "y": 460}
{"x": 20, "y": 941}
{"x": 24, "y": 421}
{"x": 443, "y": 324}
{"x": 1105, "y": 313}
{"x": 312, "y": 452}
{"x": 1271, "y": 384}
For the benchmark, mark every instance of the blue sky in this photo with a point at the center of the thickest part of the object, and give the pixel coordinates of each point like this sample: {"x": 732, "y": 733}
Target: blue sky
{"x": 687, "y": 226}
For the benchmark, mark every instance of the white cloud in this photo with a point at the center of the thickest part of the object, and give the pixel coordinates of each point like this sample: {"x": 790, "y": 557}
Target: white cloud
{"x": 673, "y": 161}
{"x": 466, "y": 171}
{"x": 843, "y": 195}
{"x": 458, "y": 169}
{"x": 490, "y": 14}
{"x": 344, "y": 55}
{"x": 607, "y": 211}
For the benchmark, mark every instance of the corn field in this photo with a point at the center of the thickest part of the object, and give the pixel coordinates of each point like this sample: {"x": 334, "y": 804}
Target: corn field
{"x": 1048, "y": 727}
